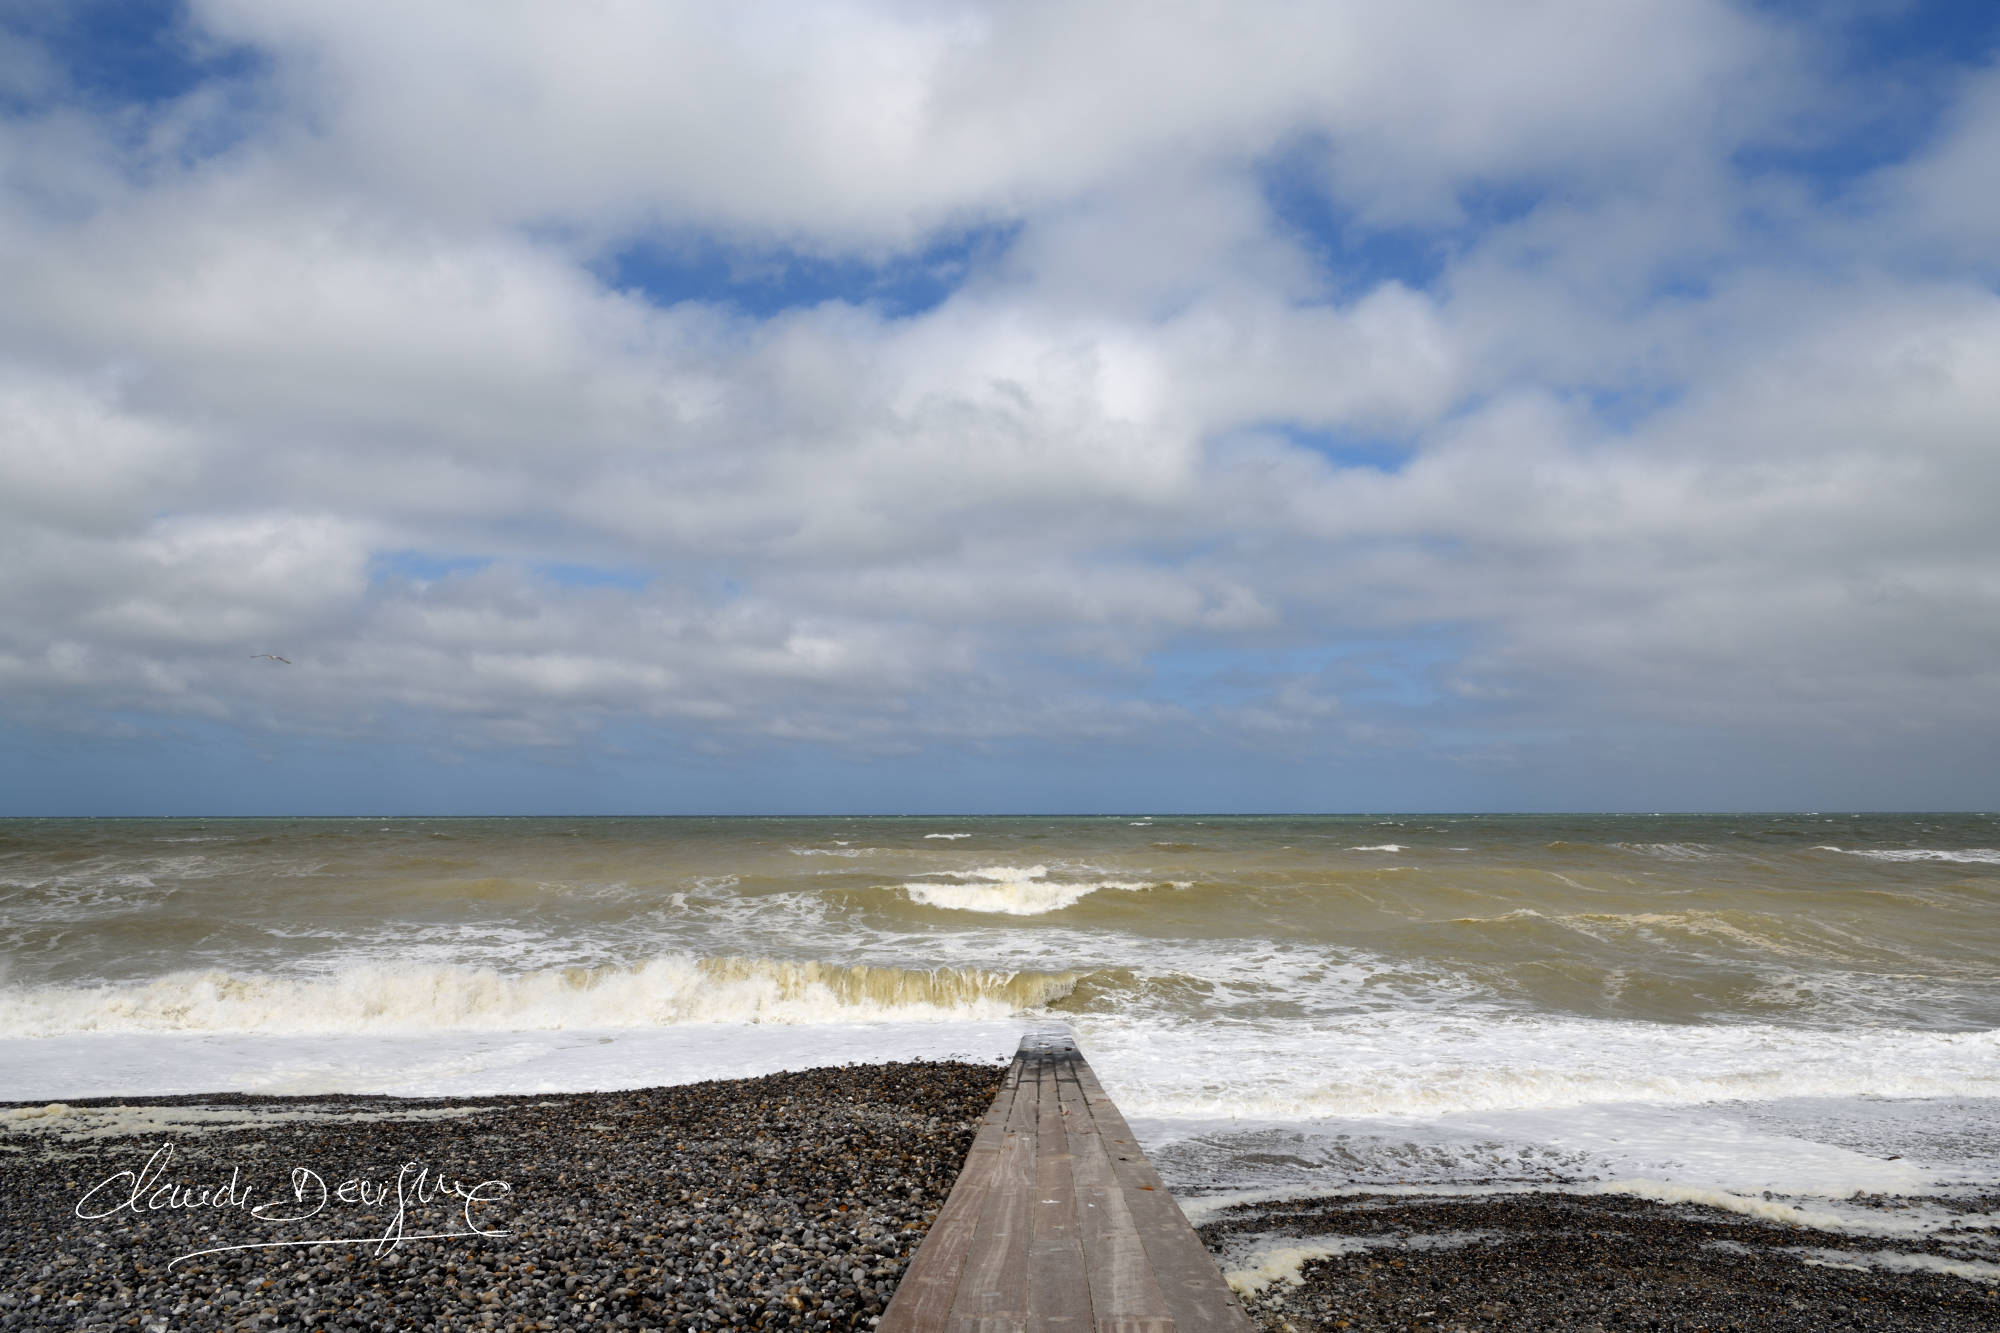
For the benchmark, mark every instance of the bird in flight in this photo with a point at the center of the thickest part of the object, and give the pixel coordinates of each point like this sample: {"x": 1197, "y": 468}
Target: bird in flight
{"x": 272, "y": 656}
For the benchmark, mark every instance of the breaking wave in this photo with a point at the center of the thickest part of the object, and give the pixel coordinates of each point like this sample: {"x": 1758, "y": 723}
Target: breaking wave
{"x": 1670, "y": 851}
{"x": 1013, "y": 890}
{"x": 663, "y": 992}
{"x": 1967, "y": 856}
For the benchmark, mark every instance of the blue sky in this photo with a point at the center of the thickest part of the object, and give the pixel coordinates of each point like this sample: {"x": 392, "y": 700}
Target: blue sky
{"x": 964, "y": 407}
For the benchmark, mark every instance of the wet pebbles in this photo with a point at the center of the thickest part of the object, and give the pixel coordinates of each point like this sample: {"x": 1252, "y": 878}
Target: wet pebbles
{"x": 1559, "y": 1263}
{"x": 788, "y": 1202}
{"x": 795, "y": 1202}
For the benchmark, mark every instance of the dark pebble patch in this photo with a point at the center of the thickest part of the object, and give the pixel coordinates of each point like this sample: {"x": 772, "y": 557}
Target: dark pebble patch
{"x": 788, "y": 1202}
{"x": 1565, "y": 1263}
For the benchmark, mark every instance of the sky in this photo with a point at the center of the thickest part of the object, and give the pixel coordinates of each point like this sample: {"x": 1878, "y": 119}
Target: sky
{"x": 877, "y": 407}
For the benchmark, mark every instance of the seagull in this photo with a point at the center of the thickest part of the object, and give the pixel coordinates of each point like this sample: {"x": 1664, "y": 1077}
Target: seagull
{"x": 272, "y": 656}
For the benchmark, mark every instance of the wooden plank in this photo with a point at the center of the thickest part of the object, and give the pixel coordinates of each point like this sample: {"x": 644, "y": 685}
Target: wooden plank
{"x": 994, "y": 1277}
{"x": 1182, "y": 1265}
{"x": 1058, "y": 1223}
{"x": 1122, "y": 1286}
{"x": 924, "y": 1297}
{"x": 1059, "y": 1285}
{"x": 990, "y": 1130}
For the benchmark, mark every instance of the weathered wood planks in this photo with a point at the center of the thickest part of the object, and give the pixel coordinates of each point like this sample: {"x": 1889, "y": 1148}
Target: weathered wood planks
{"x": 1059, "y": 1224}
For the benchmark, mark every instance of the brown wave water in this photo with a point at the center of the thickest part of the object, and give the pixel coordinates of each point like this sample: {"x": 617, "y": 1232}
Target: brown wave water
{"x": 1810, "y": 920}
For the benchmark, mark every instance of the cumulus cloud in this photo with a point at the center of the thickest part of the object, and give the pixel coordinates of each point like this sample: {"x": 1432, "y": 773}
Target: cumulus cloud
{"x": 869, "y": 123}
{"x": 1435, "y": 381}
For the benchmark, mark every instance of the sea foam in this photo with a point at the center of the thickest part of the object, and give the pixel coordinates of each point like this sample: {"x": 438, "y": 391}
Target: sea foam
{"x": 1013, "y": 890}
{"x": 1964, "y": 856}
{"x": 661, "y": 992}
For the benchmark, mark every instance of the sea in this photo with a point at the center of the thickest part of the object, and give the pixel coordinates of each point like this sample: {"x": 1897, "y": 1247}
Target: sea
{"x": 1773, "y": 1011}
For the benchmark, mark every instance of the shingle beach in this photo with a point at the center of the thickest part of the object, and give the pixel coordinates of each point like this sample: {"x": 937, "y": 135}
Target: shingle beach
{"x": 795, "y": 1201}
{"x": 1557, "y": 1262}
{"x": 790, "y": 1201}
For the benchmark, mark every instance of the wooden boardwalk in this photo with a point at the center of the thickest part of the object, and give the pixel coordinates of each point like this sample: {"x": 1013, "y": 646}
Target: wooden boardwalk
{"x": 1058, "y": 1222}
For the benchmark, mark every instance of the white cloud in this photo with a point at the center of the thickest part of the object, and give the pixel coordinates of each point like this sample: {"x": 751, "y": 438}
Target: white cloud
{"x": 237, "y": 391}
{"x": 867, "y": 124}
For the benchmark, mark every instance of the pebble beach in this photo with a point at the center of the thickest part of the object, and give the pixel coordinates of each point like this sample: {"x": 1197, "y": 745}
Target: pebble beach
{"x": 1559, "y": 1262}
{"x": 791, "y": 1201}
{"x": 795, "y": 1201}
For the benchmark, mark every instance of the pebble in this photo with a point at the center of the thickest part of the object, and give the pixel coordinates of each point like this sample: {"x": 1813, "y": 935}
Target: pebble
{"x": 1571, "y": 1263}
{"x": 793, "y": 1201}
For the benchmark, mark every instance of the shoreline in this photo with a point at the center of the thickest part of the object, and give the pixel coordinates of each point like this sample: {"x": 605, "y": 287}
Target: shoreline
{"x": 1562, "y": 1262}
{"x": 796, "y": 1200}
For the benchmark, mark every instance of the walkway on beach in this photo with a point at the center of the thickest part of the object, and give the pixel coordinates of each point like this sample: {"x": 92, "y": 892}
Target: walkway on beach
{"x": 1059, "y": 1223}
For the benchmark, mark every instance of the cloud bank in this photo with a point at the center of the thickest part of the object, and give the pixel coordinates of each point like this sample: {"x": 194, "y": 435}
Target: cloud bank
{"x": 896, "y": 405}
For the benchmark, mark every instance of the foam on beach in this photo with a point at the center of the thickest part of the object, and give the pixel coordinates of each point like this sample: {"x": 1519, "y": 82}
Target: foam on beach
{"x": 67, "y": 1124}
{"x": 1899, "y": 1261}
{"x": 1282, "y": 1262}
{"x": 1815, "y": 1215}
{"x": 470, "y": 1064}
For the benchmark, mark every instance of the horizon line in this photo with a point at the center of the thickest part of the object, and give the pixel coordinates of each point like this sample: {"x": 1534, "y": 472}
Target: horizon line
{"x": 1070, "y": 814}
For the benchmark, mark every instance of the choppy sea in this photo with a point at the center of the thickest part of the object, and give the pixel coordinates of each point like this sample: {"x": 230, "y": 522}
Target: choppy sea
{"x": 1697, "y": 1006}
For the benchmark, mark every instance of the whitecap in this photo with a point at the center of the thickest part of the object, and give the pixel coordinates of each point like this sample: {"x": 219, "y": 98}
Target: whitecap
{"x": 1669, "y": 851}
{"x": 1966, "y": 856}
{"x": 663, "y": 991}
